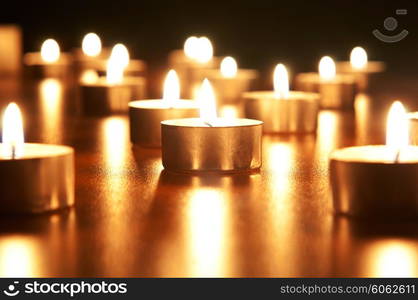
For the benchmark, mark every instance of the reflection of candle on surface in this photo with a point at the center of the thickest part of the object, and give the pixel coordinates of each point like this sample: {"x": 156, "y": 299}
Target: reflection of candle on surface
{"x": 378, "y": 181}
{"x": 146, "y": 116}
{"x": 360, "y": 67}
{"x": 45, "y": 171}
{"x": 413, "y": 127}
{"x": 210, "y": 143}
{"x": 112, "y": 93}
{"x": 337, "y": 91}
{"x": 282, "y": 110}
{"x": 49, "y": 62}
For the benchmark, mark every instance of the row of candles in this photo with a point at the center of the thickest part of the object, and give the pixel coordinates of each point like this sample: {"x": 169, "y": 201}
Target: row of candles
{"x": 368, "y": 180}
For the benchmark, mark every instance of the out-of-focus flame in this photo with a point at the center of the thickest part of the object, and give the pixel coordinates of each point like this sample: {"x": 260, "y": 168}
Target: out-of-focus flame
{"x": 114, "y": 71}
{"x": 229, "y": 67}
{"x": 204, "y": 51}
{"x": 91, "y": 45}
{"x": 171, "y": 91}
{"x": 358, "y": 58}
{"x": 13, "y": 140}
{"x": 89, "y": 77}
{"x": 281, "y": 82}
{"x": 397, "y": 127}
{"x": 191, "y": 47}
{"x": 50, "y": 51}
{"x": 120, "y": 55}
{"x": 327, "y": 68}
{"x": 207, "y": 102}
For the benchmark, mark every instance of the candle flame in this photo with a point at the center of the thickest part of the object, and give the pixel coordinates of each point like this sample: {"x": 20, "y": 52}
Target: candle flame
{"x": 229, "y": 67}
{"x": 281, "y": 82}
{"x": 397, "y": 128}
{"x": 114, "y": 71}
{"x": 204, "y": 51}
{"x": 89, "y": 77}
{"x": 207, "y": 102}
{"x": 13, "y": 140}
{"x": 120, "y": 54}
{"x": 358, "y": 58}
{"x": 190, "y": 47}
{"x": 50, "y": 51}
{"x": 91, "y": 45}
{"x": 327, "y": 68}
{"x": 171, "y": 91}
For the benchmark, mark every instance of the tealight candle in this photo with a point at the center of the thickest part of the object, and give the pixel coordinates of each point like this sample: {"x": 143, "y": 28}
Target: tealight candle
{"x": 132, "y": 67}
{"x": 230, "y": 82}
{"x": 50, "y": 62}
{"x": 11, "y": 49}
{"x": 90, "y": 55}
{"x": 360, "y": 67}
{"x": 210, "y": 143}
{"x": 281, "y": 110}
{"x": 413, "y": 125}
{"x": 378, "y": 181}
{"x": 146, "y": 116}
{"x": 336, "y": 91}
{"x": 110, "y": 94}
{"x": 196, "y": 55}
{"x": 34, "y": 177}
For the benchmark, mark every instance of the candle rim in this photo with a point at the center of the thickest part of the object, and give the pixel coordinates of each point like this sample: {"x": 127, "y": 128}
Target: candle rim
{"x": 59, "y": 150}
{"x": 201, "y": 124}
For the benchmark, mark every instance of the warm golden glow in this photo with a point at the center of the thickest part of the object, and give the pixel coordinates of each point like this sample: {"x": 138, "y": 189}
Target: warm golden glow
{"x": 120, "y": 55}
{"x": 190, "y": 47}
{"x": 281, "y": 82}
{"x": 358, "y": 58}
{"x": 171, "y": 91}
{"x": 18, "y": 257}
{"x": 207, "y": 102}
{"x": 89, "y": 77}
{"x": 91, "y": 45}
{"x": 204, "y": 51}
{"x": 327, "y": 68}
{"x": 397, "y": 128}
{"x": 13, "y": 140}
{"x": 114, "y": 72}
{"x": 229, "y": 67}
{"x": 51, "y": 96}
{"x": 207, "y": 225}
{"x": 50, "y": 51}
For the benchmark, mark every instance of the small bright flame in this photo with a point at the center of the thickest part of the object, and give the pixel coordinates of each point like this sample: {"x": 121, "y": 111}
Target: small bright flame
{"x": 91, "y": 45}
{"x": 358, "y": 58}
{"x": 89, "y": 77}
{"x": 120, "y": 55}
{"x": 50, "y": 51}
{"x": 327, "y": 68}
{"x": 207, "y": 102}
{"x": 229, "y": 67}
{"x": 190, "y": 47}
{"x": 13, "y": 140}
{"x": 114, "y": 72}
{"x": 204, "y": 50}
{"x": 397, "y": 128}
{"x": 281, "y": 82}
{"x": 171, "y": 91}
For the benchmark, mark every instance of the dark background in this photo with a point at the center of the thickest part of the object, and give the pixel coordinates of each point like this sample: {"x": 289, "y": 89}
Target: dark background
{"x": 258, "y": 33}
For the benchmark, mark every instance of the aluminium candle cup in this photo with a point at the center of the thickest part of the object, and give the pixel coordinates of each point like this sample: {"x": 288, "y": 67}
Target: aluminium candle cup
{"x": 11, "y": 49}
{"x": 413, "y": 128}
{"x": 367, "y": 183}
{"x": 136, "y": 68}
{"x": 145, "y": 119}
{"x": 102, "y": 98}
{"x": 296, "y": 114}
{"x": 40, "y": 181}
{"x": 337, "y": 93}
{"x": 307, "y": 82}
{"x": 362, "y": 76}
{"x": 229, "y": 90}
{"x": 190, "y": 145}
{"x": 38, "y": 68}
